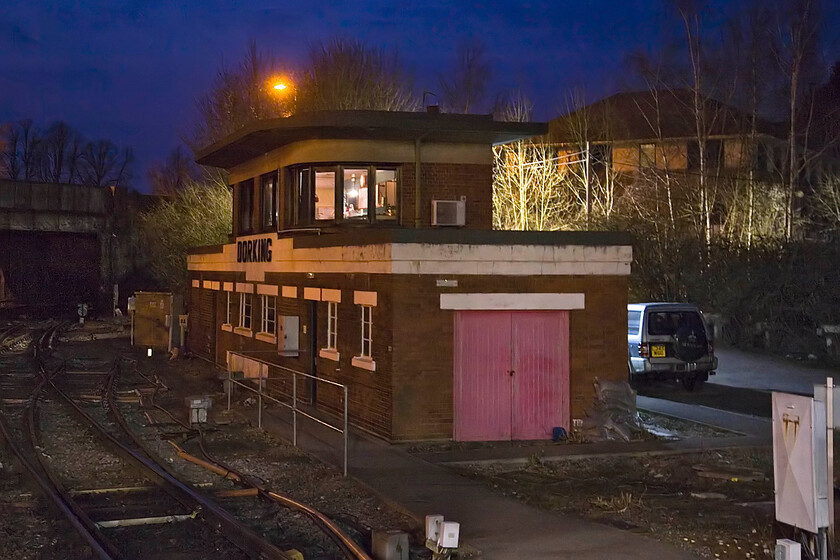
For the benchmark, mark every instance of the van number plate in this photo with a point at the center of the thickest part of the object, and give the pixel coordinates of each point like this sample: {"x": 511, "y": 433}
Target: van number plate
{"x": 657, "y": 351}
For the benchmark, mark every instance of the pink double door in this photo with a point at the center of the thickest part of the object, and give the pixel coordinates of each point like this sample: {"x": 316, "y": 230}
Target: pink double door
{"x": 511, "y": 378}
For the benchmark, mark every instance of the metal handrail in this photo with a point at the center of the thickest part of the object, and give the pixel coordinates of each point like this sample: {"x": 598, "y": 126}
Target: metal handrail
{"x": 293, "y": 407}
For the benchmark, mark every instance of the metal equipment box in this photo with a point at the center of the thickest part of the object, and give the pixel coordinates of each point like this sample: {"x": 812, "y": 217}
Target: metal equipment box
{"x": 390, "y": 545}
{"x": 151, "y": 319}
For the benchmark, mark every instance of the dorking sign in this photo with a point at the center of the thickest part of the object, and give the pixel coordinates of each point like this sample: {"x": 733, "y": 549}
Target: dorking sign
{"x": 254, "y": 250}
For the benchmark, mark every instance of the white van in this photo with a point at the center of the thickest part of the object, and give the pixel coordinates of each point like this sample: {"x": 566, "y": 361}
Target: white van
{"x": 669, "y": 341}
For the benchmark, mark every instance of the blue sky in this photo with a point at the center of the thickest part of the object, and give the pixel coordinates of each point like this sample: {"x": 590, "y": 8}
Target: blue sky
{"x": 130, "y": 71}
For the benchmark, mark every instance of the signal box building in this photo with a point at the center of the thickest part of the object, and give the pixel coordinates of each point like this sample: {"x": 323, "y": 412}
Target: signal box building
{"x": 362, "y": 253}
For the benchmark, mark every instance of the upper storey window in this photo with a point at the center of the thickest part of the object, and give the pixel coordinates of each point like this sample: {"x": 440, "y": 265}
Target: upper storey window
{"x": 246, "y": 207}
{"x": 268, "y": 202}
{"x": 342, "y": 193}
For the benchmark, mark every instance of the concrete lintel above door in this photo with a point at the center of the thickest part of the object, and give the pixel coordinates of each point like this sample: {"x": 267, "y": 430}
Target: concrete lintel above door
{"x": 520, "y": 302}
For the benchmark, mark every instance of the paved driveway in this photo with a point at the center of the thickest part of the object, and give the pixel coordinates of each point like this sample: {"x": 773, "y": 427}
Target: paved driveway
{"x": 755, "y": 370}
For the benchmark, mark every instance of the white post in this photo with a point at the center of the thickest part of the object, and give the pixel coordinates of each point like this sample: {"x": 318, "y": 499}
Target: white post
{"x": 259, "y": 397}
{"x": 346, "y": 431}
{"x": 829, "y": 438}
{"x": 294, "y": 409}
{"x": 588, "y": 187}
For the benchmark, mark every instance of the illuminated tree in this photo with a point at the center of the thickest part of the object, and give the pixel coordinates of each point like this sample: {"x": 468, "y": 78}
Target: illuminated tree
{"x": 198, "y": 214}
{"x": 531, "y": 191}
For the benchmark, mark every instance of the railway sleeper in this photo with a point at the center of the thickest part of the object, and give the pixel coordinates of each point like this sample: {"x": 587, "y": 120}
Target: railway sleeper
{"x": 159, "y": 520}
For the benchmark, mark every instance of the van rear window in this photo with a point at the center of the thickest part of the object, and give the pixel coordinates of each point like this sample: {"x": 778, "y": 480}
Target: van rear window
{"x": 633, "y": 319}
{"x": 667, "y": 322}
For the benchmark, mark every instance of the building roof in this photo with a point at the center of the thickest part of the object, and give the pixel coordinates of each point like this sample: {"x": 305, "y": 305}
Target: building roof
{"x": 263, "y": 136}
{"x": 644, "y": 115}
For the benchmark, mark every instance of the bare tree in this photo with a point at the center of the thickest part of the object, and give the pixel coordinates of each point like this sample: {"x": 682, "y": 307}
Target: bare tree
{"x": 105, "y": 165}
{"x": 530, "y": 191}
{"x": 30, "y": 150}
{"x": 11, "y": 145}
{"x": 796, "y": 51}
{"x": 174, "y": 174}
{"x": 239, "y": 95}
{"x": 347, "y": 74}
{"x": 827, "y": 203}
{"x": 464, "y": 87}
{"x": 60, "y": 154}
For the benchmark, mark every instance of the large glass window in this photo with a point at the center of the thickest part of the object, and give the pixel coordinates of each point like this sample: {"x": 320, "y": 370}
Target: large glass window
{"x": 355, "y": 193}
{"x": 246, "y": 206}
{"x": 342, "y": 193}
{"x": 324, "y": 194}
{"x": 386, "y": 194}
{"x": 269, "y": 200}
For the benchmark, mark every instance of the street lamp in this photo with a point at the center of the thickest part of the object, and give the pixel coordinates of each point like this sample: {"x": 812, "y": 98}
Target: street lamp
{"x": 283, "y": 88}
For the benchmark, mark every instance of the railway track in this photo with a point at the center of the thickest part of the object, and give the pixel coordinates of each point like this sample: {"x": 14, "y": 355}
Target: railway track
{"x": 65, "y": 420}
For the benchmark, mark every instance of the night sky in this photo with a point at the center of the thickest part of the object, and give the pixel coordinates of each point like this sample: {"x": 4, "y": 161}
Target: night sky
{"x": 130, "y": 71}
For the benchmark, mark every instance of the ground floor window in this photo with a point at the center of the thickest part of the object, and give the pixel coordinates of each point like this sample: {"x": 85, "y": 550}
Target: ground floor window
{"x": 245, "y": 311}
{"x": 367, "y": 331}
{"x": 268, "y": 324}
{"x": 228, "y": 307}
{"x": 332, "y": 325}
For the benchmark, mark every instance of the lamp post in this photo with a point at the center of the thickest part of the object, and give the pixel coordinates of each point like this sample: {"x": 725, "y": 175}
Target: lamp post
{"x": 282, "y": 87}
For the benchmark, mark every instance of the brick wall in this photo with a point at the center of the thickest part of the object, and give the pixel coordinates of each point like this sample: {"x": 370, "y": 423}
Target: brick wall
{"x": 423, "y": 343}
{"x": 449, "y": 181}
{"x": 409, "y": 396}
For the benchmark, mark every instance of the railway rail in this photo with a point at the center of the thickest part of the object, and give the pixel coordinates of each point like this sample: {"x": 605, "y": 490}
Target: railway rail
{"x": 146, "y": 511}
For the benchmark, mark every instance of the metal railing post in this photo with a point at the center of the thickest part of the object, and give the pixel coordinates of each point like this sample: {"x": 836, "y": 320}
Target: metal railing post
{"x": 259, "y": 398}
{"x": 346, "y": 430}
{"x": 229, "y": 385}
{"x": 294, "y": 409}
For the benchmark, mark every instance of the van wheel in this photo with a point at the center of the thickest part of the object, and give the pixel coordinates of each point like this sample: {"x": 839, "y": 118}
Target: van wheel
{"x": 692, "y": 383}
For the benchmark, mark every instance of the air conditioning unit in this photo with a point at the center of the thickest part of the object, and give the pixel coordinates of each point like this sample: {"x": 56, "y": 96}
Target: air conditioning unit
{"x": 449, "y": 212}
{"x": 787, "y": 549}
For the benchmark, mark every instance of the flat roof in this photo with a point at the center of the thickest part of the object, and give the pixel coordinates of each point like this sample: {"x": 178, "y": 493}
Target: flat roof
{"x": 262, "y": 136}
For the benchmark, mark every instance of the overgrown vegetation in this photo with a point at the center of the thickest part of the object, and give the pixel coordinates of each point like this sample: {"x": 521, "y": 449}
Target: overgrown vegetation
{"x": 198, "y": 215}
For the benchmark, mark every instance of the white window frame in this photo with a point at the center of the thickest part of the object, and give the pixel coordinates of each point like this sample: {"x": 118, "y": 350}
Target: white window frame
{"x": 228, "y": 307}
{"x": 332, "y": 325}
{"x": 246, "y": 311}
{"x": 268, "y": 325}
{"x": 365, "y": 359}
{"x": 367, "y": 329}
{"x": 331, "y": 350}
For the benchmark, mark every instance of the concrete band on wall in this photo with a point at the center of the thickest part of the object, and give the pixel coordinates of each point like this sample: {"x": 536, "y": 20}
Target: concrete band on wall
{"x": 418, "y": 258}
{"x": 511, "y": 302}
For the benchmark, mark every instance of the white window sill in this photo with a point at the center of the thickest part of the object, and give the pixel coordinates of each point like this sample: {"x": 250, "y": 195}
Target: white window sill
{"x": 329, "y": 354}
{"x": 242, "y": 331}
{"x": 266, "y": 337}
{"x": 227, "y": 327}
{"x": 363, "y": 362}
